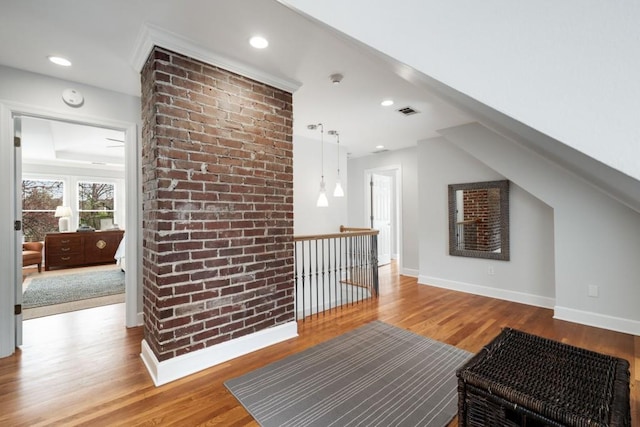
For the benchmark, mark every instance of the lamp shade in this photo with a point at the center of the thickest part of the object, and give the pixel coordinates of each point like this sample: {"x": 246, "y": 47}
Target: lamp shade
{"x": 62, "y": 211}
{"x": 322, "y": 202}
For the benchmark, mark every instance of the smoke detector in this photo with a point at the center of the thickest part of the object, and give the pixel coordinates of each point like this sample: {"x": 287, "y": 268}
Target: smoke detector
{"x": 336, "y": 78}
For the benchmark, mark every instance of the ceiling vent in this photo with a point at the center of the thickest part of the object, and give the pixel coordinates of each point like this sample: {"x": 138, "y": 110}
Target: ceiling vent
{"x": 407, "y": 111}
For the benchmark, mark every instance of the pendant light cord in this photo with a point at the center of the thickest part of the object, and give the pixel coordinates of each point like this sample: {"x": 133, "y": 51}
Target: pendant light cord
{"x": 321, "y": 151}
{"x": 338, "y": 145}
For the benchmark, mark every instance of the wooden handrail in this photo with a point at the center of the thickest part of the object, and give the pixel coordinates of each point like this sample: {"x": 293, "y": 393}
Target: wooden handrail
{"x": 345, "y": 229}
{"x": 347, "y": 232}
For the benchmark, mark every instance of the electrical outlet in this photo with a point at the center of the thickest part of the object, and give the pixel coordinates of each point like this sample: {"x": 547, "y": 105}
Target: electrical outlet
{"x": 490, "y": 270}
{"x": 593, "y": 291}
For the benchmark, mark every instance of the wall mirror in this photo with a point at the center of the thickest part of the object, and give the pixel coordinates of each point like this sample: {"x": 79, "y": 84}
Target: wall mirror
{"x": 479, "y": 220}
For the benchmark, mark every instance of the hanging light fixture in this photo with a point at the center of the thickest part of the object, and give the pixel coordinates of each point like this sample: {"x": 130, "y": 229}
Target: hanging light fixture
{"x": 322, "y": 202}
{"x": 338, "y": 191}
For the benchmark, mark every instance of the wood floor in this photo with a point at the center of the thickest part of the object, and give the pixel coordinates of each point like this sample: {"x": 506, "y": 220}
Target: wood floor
{"x": 84, "y": 368}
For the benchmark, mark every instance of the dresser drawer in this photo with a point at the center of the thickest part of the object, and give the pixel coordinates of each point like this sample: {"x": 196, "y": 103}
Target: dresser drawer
{"x": 64, "y": 246}
{"x": 55, "y": 260}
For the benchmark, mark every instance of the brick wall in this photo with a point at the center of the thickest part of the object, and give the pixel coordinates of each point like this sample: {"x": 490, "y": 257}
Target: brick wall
{"x": 217, "y": 205}
{"x": 483, "y": 207}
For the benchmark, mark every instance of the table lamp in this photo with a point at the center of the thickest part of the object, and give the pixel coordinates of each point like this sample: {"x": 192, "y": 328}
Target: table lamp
{"x": 63, "y": 212}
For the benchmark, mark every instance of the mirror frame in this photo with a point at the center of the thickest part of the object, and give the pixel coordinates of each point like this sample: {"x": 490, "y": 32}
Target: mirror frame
{"x": 503, "y": 186}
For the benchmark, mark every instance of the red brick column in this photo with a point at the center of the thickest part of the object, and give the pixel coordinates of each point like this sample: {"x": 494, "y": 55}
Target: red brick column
{"x": 217, "y": 205}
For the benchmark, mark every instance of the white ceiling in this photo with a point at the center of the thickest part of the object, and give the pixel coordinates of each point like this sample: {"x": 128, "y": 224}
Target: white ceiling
{"x": 100, "y": 37}
{"x": 47, "y": 141}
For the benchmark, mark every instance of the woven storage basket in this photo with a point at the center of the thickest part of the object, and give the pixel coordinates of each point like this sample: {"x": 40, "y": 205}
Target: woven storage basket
{"x": 521, "y": 379}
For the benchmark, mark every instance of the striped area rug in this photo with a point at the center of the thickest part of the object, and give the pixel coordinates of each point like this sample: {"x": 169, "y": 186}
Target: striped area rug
{"x": 376, "y": 375}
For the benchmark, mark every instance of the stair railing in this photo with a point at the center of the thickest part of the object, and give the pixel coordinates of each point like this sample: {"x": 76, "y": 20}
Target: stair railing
{"x": 333, "y": 270}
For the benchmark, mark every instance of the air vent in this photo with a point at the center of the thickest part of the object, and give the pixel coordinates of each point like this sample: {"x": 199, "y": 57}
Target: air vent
{"x": 407, "y": 111}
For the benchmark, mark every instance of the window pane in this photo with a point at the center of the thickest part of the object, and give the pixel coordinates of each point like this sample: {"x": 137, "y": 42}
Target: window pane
{"x": 96, "y": 203}
{"x": 36, "y": 224}
{"x": 41, "y": 194}
{"x": 95, "y": 196}
{"x": 99, "y": 220}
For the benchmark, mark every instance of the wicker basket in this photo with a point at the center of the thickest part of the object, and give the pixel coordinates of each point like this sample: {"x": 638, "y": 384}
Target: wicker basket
{"x": 521, "y": 379}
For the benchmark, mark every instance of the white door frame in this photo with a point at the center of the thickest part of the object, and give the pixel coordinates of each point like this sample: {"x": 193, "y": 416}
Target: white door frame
{"x": 8, "y": 261}
{"x": 397, "y": 169}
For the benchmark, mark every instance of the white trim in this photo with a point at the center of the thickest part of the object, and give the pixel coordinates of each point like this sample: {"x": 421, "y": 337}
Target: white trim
{"x": 139, "y": 319}
{"x": 8, "y": 260}
{"x": 597, "y": 320}
{"x": 398, "y": 204}
{"x": 152, "y": 35}
{"x": 133, "y": 225}
{"x": 170, "y": 370}
{"x": 486, "y": 291}
{"x": 411, "y": 272}
{"x": 133, "y": 194}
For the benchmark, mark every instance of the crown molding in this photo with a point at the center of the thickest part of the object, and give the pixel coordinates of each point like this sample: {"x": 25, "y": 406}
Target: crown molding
{"x": 151, "y": 35}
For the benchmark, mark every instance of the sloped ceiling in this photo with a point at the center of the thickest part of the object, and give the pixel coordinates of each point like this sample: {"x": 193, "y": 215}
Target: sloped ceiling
{"x": 560, "y": 79}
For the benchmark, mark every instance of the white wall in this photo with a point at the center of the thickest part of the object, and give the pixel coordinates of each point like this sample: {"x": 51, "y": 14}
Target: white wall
{"x": 307, "y": 217}
{"x": 568, "y": 69}
{"x": 41, "y": 95}
{"x": 596, "y": 238}
{"x": 46, "y": 93}
{"x": 408, "y": 163}
{"x": 528, "y": 277}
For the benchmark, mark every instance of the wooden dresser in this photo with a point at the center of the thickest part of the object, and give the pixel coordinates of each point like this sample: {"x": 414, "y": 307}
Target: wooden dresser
{"x": 63, "y": 250}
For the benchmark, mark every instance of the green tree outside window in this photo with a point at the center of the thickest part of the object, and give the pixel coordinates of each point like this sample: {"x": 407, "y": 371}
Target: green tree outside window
{"x": 40, "y": 197}
{"x": 96, "y": 204}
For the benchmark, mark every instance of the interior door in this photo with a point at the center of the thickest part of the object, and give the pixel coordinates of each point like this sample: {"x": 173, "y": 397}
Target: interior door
{"x": 381, "y": 203}
{"x": 17, "y": 159}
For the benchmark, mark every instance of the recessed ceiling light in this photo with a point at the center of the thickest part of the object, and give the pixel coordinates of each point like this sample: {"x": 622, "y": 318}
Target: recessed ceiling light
{"x": 379, "y": 147}
{"x": 258, "y": 42}
{"x": 58, "y": 60}
{"x": 387, "y": 102}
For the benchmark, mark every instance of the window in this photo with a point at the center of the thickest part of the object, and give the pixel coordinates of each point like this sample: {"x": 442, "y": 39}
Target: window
{"x": 40, "y": 197}
{"x": 96, "y": 204}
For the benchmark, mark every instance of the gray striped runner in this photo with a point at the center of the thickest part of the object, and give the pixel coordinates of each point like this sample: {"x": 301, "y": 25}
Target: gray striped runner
{"x": 375, "y": 375}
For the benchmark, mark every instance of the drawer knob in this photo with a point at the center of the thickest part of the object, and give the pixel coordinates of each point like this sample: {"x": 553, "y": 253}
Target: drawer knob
{"x": 101, "y": 244}
{"x": 65, "y": 249}
{"x": 66, "y": 258}
{"x": 65, "y": 241}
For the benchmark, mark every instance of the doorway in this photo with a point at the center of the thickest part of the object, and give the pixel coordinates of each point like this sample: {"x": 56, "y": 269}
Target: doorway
{"x": 10, "y": 121}
{"x": 382, "y": 208}
{"x": 72, "y": 178}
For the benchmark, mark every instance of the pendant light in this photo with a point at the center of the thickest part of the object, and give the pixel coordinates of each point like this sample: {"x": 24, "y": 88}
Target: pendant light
{"x": 322, "y": 202}
{"x": 338, "y": 191}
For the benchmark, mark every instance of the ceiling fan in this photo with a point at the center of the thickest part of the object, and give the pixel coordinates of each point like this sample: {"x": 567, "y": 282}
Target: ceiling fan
{"x": 119, "y": 141}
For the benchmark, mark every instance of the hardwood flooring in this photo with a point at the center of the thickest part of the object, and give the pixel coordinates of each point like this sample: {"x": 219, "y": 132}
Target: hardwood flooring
{"x": 84, "y": 368}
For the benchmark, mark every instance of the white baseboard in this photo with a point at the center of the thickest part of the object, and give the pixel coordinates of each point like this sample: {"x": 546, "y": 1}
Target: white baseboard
{"x": 410, "y": 272}
{"x": 486, "y": 291}
{"x": 597, "y": 320}
{"x": 190, "y": 363}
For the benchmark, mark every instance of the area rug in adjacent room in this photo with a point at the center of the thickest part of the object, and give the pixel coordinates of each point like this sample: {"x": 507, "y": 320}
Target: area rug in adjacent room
{"x": 60, "y": 289}
{"x": 375, "y": 375}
